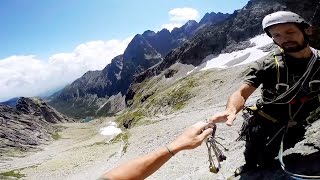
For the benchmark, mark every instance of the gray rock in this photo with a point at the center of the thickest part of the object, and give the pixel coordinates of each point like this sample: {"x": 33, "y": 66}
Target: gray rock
{"x": 28, "y": 125}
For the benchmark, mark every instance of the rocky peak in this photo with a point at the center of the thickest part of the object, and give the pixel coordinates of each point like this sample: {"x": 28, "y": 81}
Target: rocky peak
{"x": 28, "y": 125}
{"x": 164, "y": 32}
{"x": 139, "y": 49}
{"x": 11, "y": 102}
{"x": 161, "y": 41}
{"x": 190, "y": 26}
{"x": 37, "y": 107}
{"x": 148, "y": 33}
{"x": 213, "y": 18}
{"x": 90, "y": 93}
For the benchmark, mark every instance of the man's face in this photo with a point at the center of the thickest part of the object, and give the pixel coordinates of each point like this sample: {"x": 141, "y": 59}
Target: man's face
{"x": 288, "y": 36}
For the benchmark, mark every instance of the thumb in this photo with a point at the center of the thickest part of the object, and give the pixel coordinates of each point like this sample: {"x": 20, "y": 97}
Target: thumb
{"x": 230, "y": 120}
{"x": 205, "y": 133}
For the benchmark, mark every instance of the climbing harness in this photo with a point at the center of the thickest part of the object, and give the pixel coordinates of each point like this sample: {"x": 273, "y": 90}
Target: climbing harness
{"x": 293, "y": 91}
{"x": 287, "y": 96}
{"x": 211, "y": 143}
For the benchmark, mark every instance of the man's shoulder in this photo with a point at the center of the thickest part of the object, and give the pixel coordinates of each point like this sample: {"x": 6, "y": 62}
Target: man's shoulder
{"x": 318, "y": 53}
{"x": 267, "y": 61}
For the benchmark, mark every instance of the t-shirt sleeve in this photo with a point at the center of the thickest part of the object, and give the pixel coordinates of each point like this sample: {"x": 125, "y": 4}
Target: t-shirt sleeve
{"x": 254, "y": 76}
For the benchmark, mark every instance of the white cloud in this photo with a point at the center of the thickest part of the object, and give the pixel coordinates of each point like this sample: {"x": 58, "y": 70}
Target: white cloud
{"x": 183, "y": 14}
{"x": 30, "y": 76}
{"x": 180, "y": 16}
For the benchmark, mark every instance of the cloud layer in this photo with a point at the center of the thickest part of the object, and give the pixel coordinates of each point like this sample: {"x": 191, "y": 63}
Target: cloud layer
{"x": 180, "y": 16}
{"x": 30, "y": 76}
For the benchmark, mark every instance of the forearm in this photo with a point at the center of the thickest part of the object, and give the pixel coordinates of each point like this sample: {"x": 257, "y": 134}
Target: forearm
{"x": 142, "y": 167}
{"x": 235, "y": 103}
{"x": 238, "y": 98}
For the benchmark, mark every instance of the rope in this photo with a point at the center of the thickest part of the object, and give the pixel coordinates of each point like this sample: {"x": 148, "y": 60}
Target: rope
{"x": 283, "y": 166}
{"x": 295, "y": 86}
{"x": 280, "y": 154}
{"x": 315, "y": 12}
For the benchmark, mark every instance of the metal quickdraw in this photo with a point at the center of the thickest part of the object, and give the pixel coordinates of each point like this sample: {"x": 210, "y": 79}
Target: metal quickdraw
{"x": 212, "y": 146}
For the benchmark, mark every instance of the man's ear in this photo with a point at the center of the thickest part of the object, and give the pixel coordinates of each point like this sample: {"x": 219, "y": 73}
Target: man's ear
{"x": 310, "y": 30}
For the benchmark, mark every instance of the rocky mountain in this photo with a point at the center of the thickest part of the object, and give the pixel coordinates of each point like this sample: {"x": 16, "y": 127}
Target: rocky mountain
{"x": 168, "y": 94}
{"x": 27, "y": 125}
{"x": 226, "y": 36}
{"x": 190, "y": 44}
{"x": 213, "y": 18}
{"x": 231, "y": 34}
{"x": 11, "y": 102}
{"x": 164, "y": 41}
{"x": 90, "y": 95}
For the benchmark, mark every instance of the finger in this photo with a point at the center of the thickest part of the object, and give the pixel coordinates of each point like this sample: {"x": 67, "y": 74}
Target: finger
{"x": 210, "y": 125}
{"x": 199, "y": 126}
{"x": 205, "y": 133}
{"x": 218, "y": 118}
{"x": 230, "y": 120}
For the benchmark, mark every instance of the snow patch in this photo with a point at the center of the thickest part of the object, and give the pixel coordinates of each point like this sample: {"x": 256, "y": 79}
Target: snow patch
{"x": 110, "y": 130}
{"x": 239, "y": 57}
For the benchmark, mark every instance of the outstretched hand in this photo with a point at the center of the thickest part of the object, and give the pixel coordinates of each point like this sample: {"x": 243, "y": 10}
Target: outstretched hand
{"x": 224, "y": 116}
{"x": 192, "y": 137}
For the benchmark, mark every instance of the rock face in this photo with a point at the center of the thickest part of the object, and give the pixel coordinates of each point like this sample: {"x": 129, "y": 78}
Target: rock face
{"x": 151, "y": 53}
{"x": 164, "y": 41}
{"x": 223, "y": 37}
{"x": 11, "y": 102}
{"x": 213, "y": 18}
{"x": 86, "y": 95}
{"x": 95, "y": 92}
{"x": 232, "y": 34}
{"x": 27, "y": 125}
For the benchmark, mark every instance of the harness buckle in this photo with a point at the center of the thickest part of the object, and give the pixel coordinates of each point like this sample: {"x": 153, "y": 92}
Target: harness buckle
{"x": 314, "y": 85}
{"x": 282, "y": 87}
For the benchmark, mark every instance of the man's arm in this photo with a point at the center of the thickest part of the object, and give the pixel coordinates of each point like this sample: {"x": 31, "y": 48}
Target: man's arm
{"x": 142, "y": 167}
{"x": 235, "y": 104}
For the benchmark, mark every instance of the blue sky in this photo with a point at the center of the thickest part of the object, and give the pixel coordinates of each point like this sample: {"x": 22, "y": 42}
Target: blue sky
{"x": 46, "y": 44}
{"x": 45, "y": 27}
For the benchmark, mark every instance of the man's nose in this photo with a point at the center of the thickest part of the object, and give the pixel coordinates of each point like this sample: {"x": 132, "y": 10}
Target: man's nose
{"x": 286, "y": 38}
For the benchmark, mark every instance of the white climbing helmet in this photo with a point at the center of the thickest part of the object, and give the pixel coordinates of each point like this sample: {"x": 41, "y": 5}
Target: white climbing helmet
{"x": 281, "y": 17}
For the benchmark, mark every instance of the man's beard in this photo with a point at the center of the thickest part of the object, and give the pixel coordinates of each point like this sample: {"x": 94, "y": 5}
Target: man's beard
{"x": 293, "y": 46}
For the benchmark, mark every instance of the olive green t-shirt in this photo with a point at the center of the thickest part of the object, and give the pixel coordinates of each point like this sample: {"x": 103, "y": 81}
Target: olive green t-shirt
{"x": 264, "y": 72}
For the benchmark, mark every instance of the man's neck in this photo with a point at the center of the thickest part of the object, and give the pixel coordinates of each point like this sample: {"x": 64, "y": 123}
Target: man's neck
{"x": 303, "y": 54}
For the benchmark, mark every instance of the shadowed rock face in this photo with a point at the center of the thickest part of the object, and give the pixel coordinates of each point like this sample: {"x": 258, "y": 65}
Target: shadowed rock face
{"x": 234, "y": 31}
{"x": 85, "y": 96}
{"x": 88, "y": 95}
{"x": 222, "y": 37}
{"x": 28, "y": 125}
{"x": 190, "y": 44}
{"x": 11, "y": 102}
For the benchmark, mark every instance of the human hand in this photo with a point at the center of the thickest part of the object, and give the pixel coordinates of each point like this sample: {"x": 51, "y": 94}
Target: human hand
{"x": 225, "y": 116}
{"x": 192, "y": 137}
